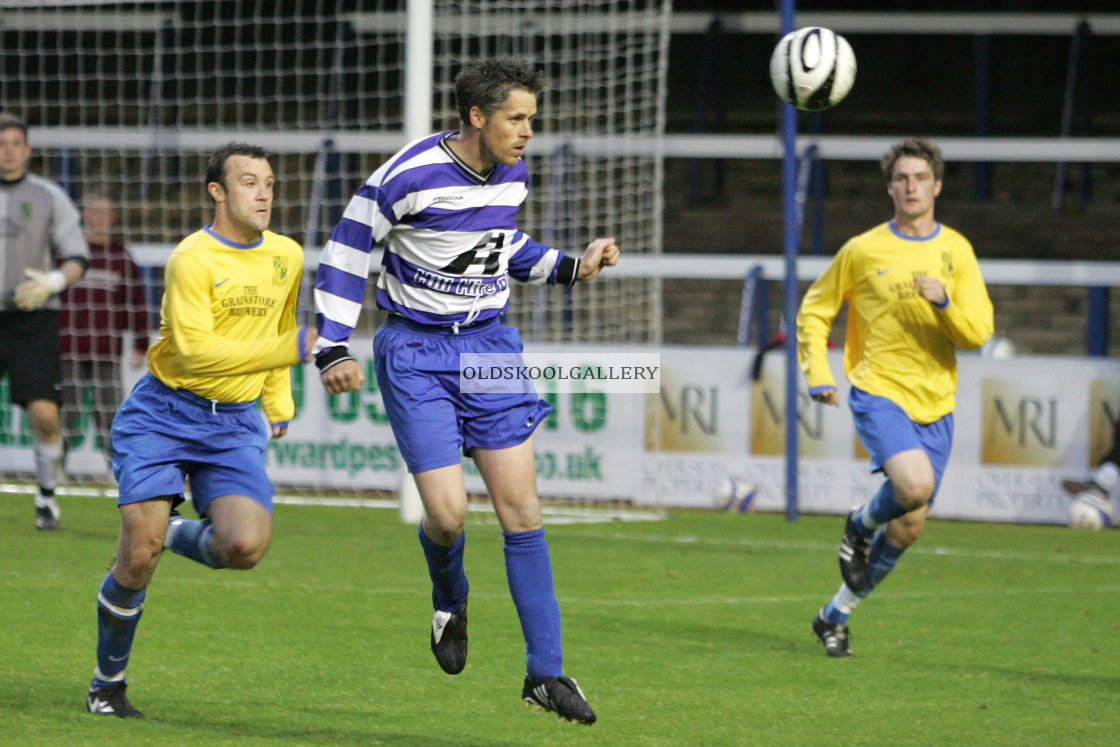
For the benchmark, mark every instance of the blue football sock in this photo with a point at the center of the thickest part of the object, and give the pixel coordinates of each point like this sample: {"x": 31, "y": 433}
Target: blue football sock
{"x": 883, "y": 507}
{"x": 445, "y": 566}
{"x": 192, "y": 540}
{"x": 884, "y": 556}
{"x": 529, "y": 571}
{"x": 118, "y": 612}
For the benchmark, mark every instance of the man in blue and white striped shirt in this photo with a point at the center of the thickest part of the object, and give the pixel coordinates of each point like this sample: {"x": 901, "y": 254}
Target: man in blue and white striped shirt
{"x": 445, "y": 208}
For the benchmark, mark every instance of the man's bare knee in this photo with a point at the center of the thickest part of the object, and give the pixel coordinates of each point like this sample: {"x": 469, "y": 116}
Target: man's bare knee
{"x": 240, "y": 559}
{"x": 912, "y": 494}
{"x": 241, "y": 552}
{"x": 444, "y": 528}
{"x": 134, "y": 565}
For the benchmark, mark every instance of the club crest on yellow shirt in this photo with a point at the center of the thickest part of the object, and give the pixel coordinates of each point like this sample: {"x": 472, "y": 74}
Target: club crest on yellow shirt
{"x": 279, "y": 270}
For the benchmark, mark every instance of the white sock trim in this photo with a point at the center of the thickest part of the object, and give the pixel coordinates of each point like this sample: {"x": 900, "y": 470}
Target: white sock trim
{"x": 119, "y": 677}
{"x": 864, "y": 516}
{"x": 119, "y": 611}
{"x": 44, "y": 501}
{"x": 845, "y": 600}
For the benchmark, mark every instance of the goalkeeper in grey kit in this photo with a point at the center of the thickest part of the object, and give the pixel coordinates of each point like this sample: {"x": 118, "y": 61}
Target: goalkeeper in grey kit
{"x": 37, "y": 222}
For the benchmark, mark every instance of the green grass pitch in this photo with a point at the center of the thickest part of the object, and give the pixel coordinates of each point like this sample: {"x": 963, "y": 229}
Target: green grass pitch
{"x": 689, "y": 631}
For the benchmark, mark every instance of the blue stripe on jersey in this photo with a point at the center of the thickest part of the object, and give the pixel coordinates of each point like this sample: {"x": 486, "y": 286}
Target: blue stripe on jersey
{"x": 377, "y": 195}
{"x": 527, "y": 257}
{"x": 330, "y": 330}
{"x": 431, "y": 176}
{"x": 503, "y": 174}
{"x": 482, "y": 219}
{"x": 353, "y": 234}
{"x": 341, "y": 283}
{"x": 436, "y": 320}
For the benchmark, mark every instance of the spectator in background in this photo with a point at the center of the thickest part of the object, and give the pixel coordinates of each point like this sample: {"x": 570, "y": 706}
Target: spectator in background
{"x": 97, "y": 313}
{"x": 42, "y": 251}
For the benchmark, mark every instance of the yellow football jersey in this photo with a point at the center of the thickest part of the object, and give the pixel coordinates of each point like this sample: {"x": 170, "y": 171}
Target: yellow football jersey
{"x": 227, "y": 328}
{"x": 898, "y": 344}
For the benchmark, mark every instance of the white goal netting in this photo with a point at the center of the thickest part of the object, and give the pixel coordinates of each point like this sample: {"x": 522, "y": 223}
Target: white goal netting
{"x": 126, "y": 99}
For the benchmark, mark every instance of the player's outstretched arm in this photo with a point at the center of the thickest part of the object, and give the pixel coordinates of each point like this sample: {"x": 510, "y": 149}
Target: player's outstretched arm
{"x": 600, "y": 253}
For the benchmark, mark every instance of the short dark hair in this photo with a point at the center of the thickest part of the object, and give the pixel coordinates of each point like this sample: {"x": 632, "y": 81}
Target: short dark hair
{"x": 487, "y": 84}
{"x": 216, "y": 164}
{"x": 916, "y": 147}
{"x": 10, "y": 121}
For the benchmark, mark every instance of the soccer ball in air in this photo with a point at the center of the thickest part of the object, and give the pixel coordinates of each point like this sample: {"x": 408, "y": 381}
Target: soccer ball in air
{"x": 736, "y": 494}
{"x": 813, "y": 68}
{"x": 1089, "y": 511}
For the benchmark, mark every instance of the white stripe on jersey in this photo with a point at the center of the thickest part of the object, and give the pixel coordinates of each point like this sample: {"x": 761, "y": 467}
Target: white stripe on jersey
{"x": 422, "y": 299}
{"x": 543, "y": 268}
{"x": 462, "y": 197}
{"x": 436, "y": 249}
{"x": 345, "y": 258}
{"x": 338, "y": 309}
{"x": 365, "y": 211}
{"x": 394, "y": 167}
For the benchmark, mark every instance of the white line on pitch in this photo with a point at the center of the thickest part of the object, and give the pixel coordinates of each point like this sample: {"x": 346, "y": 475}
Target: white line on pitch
{"x": 820, "y": 547}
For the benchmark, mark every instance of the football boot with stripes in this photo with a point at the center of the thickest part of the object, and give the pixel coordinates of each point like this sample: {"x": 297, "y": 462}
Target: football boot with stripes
{"x": 833, "y": 636}
{"x": 559, "y": 695}
{"x": 855, "y": 549}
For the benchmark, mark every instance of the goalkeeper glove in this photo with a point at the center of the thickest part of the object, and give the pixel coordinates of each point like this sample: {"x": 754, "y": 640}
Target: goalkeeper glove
{"x": 34, "y": 292}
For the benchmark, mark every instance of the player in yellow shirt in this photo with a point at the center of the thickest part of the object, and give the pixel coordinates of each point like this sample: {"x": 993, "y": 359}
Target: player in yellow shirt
{"x": 228, "y": 337}
{"x": 914, "y": 294}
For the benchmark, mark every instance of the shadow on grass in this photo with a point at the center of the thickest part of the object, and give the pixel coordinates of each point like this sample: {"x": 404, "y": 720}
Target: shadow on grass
{"x": 652, "y": 634}
{"x": 1093, "y": 682}
{"x": 28, "y": 704}
{"x": 243, "y": 730}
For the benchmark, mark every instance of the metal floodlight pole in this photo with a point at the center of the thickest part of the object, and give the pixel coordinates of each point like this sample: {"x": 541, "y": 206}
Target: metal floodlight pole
{"x": 792, "y": 239}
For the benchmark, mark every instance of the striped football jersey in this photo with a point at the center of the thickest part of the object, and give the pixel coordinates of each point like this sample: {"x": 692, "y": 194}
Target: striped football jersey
{"x": 451, "y": 243}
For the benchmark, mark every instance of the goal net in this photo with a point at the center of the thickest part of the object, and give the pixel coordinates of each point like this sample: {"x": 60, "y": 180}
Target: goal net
{"x": 126, "y": 99}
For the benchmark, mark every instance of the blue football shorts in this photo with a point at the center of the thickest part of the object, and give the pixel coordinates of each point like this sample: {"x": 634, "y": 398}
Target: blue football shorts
{"x": 885, "y": 430}
{"x": 162, "y": 435}
{"x": 434, "y": 423}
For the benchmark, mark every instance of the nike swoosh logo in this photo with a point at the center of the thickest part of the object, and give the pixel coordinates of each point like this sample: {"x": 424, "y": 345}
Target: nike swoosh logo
{"x": 118, "y": 658}
{"x": 219, "y": 282}
{"x": 881, "y": 272}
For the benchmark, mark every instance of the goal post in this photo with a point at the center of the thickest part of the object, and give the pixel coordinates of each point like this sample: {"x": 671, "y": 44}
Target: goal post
{"x": 128, "y": 99}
